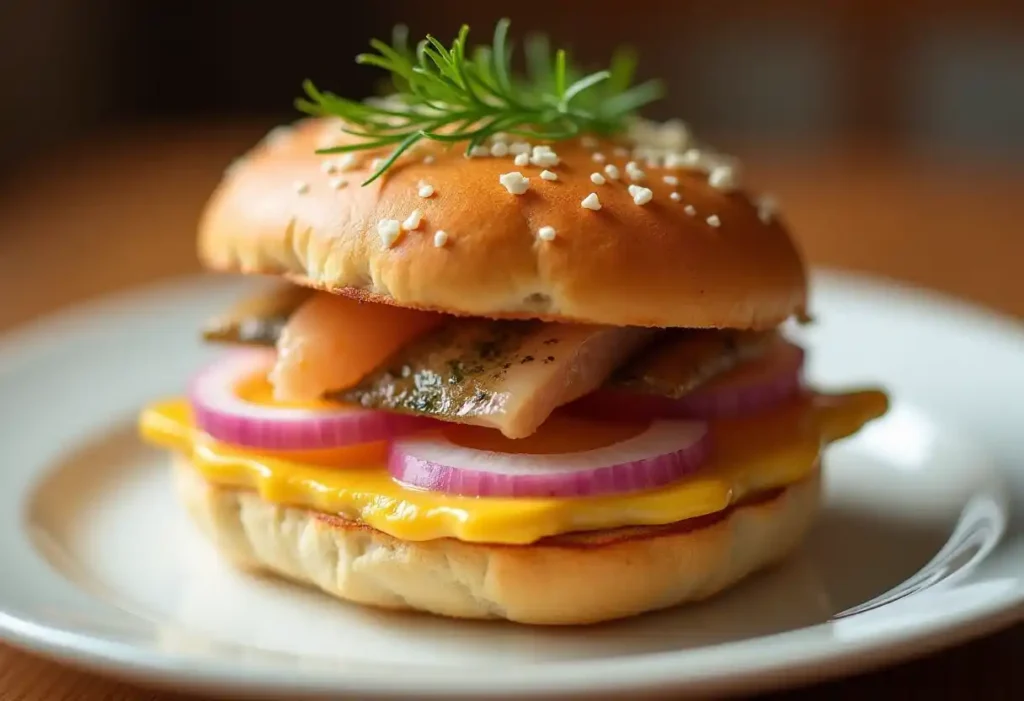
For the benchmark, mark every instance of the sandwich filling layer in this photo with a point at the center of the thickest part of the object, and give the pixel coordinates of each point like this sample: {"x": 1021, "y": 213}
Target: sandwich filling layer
{"x": 750, "y": 456}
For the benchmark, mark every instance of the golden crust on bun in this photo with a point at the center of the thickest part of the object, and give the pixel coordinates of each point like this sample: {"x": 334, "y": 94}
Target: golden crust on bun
{"x": 568, "y": 580}
{"x": 691, "y": 252}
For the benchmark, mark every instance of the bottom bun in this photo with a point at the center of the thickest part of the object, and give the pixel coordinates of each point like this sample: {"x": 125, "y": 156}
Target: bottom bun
{"x": 572, "y": 579}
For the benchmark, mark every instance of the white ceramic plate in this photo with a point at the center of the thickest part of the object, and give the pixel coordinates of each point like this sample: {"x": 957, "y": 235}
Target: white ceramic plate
{"x": 916, "y": 548}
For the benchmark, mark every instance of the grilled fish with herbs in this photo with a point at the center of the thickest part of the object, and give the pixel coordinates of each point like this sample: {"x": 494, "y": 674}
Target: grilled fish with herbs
{"x": 446, "y": 375}
{"x": 508, "y": 375}
{"x": 679, "y": 361}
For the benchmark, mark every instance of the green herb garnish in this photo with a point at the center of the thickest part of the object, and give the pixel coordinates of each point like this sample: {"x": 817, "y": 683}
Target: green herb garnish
{"x": 460, "y": 95}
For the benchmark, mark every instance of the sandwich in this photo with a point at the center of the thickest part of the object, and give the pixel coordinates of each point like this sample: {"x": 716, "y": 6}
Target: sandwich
{"x": 516, "y": 352}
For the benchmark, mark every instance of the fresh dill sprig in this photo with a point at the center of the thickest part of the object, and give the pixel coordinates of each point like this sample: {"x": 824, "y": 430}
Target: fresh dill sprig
{"x": 459, "y": 94}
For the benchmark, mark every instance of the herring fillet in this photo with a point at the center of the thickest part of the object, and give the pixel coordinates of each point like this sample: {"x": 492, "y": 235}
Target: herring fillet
{"x": 257, "y": 320}
{"x": 669, "y": 363}
{"x": 681, "y": 360}
{"x": 507, "y": 375}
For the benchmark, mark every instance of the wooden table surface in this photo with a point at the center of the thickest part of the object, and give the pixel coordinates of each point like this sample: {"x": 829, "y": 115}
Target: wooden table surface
{"x": 120, "y": 210}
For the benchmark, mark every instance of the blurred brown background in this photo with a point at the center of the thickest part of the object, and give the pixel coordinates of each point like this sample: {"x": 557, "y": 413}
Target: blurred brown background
{"x": 892, "y": 132}
{"x": 943, "y": 78}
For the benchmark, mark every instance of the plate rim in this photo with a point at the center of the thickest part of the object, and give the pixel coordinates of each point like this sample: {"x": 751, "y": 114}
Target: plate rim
{"x": 641, "y": 673}
{"x": 649, "y": 673}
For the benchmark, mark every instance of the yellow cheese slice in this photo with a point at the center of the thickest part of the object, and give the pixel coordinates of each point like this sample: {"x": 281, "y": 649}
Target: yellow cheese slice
{"x": 750, "y": 455}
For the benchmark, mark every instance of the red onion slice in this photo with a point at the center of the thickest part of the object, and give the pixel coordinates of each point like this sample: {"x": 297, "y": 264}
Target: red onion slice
{"x": 751, "y": 388}
{"x": 662, "y": 453}
{"x": 228, "y": 417}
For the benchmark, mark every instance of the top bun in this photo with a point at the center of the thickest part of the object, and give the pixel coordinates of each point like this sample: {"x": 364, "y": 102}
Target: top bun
{"x": 707, "y": 257}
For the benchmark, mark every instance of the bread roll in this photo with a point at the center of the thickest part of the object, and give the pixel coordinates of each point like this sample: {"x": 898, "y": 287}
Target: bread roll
{"x": 570, "y": 579}
{"x": 704, "y": 257}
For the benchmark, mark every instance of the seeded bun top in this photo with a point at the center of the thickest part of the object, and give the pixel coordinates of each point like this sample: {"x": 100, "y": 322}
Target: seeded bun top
{"x": 642, "y": 231}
